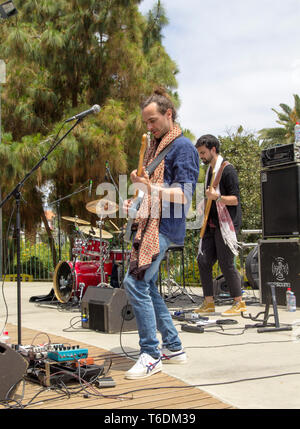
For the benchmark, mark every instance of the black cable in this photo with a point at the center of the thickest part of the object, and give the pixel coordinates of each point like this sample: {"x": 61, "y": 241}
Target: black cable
{"x": 6, "y": 269}
{"x": 121, "y": 345}
{"x": 212, "y": 384}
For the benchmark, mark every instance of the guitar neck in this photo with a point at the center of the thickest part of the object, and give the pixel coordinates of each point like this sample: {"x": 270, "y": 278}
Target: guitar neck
{"x": 141, "y": 159}
{"x": 207, "y": 207}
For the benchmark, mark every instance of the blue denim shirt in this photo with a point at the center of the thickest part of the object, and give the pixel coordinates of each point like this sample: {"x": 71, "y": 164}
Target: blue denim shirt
{"x": 181, "y": 169}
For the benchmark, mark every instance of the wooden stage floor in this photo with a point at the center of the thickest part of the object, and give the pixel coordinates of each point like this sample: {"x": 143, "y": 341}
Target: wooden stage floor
{"x": 159, "y": 391}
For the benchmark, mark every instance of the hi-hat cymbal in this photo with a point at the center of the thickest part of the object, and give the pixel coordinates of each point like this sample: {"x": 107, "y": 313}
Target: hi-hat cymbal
{"x": 95, "y": 232}
{"x": 102, "y": 207}
{"x": 76, "y": 220}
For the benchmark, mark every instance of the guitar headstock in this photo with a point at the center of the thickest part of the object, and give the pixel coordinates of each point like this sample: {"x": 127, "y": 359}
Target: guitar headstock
{"x": 144, "y": 144}
{"x": 142, "y": 153}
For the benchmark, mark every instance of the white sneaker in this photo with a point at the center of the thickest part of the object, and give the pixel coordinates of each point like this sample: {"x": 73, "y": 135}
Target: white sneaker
{"x": 173, "y": 357}
{"x": 144, "y": 367}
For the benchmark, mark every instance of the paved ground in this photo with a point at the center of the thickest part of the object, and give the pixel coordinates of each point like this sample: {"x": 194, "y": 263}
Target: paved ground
{"x": 235, "y": 363}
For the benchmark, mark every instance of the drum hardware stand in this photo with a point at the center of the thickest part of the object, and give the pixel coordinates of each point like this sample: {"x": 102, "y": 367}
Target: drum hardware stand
{"x": 81, "y": 286}
{"x": 171, "y": 282}
{"x": 16, "y": 193}
{"x": 265, "y": 326}
{"x": 57, "y": 203}
{"x": 82, "y": 236}
{"x": 101, "y": 267}
{"x": 122, "y": 233}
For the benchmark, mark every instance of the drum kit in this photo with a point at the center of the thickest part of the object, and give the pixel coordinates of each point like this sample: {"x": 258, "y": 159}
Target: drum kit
{"x": 95, "y": 261}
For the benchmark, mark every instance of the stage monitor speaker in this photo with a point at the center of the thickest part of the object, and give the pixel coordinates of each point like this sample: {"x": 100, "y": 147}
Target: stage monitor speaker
{"x": 280, "y": 188}
{"x": 107, "y": 310}
{"x": 12, "y": 369}
{"x": 252, "y": 270}
{"x": 279, "y": 266}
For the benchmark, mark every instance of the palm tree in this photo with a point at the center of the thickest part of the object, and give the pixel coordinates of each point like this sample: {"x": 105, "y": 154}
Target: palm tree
{"x": 287, "y": 119}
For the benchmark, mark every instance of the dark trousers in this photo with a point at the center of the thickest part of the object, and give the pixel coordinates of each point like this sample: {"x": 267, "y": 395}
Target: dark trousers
{"x": 214, "y": 249}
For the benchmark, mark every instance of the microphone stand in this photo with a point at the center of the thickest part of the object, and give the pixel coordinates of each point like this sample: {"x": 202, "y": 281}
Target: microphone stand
{"x": 16, "y": 193}
{"x": 57, "y": 202}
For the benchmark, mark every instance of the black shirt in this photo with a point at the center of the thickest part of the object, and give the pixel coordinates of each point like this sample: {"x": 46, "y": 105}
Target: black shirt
{"x": 229, "y": 185}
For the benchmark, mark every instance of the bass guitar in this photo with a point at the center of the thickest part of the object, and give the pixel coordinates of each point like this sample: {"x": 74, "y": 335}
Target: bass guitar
{"x": 138, "y": 196}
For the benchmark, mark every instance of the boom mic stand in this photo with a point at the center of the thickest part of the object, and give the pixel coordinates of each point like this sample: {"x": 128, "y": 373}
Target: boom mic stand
{"x": 16, "y": 193}
{"x": 57, "y": 202}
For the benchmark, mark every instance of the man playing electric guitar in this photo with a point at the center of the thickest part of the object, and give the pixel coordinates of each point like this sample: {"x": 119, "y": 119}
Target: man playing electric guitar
{"x": 160, "y": 222}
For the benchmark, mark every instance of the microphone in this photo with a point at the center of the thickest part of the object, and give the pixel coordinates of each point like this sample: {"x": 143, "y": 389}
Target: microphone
{"x": 106, "y": 170}
{"x": 90, "y": 188}
{"x": 95, "y": 109}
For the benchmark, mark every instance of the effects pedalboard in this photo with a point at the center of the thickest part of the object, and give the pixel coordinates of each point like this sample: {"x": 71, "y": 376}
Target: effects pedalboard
{"x": 68, "y": 353}
{"x": 58, "y": 352}
{"x": 197, "y": 323}
{"x": 53, "y": 364}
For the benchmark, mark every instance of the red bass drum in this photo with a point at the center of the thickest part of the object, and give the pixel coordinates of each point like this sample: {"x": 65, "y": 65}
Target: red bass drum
{"x": 72, "y": 279}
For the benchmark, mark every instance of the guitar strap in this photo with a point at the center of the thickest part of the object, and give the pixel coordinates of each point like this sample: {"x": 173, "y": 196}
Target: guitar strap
{"x": 219, "y": 174}
{"x": 155, "y": 163}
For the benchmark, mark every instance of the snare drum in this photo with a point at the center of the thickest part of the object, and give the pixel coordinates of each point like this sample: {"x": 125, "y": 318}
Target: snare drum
{"x": 117, "y": 256}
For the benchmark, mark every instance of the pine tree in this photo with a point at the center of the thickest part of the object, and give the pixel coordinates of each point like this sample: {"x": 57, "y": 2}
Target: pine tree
{"x": 62, "y": 56}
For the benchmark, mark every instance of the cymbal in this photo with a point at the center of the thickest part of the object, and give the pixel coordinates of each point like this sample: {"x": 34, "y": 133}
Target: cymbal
{"x": 95, "y": 232}
{"x": 102, "y": 207}
{"x": 76, "y": 220}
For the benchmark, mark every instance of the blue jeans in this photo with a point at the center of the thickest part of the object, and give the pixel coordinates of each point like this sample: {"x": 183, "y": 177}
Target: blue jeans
{"x": 150, "y": 310}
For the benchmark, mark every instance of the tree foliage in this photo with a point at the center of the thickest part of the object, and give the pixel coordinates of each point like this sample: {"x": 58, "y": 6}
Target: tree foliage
{"x": 243, "y": 150}
{"x": 287, "y": 118}
{"x": 61, "y": 57}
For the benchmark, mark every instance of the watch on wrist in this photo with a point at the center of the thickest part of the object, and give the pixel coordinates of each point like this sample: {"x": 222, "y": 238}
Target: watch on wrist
{"x": 219, "y": 198}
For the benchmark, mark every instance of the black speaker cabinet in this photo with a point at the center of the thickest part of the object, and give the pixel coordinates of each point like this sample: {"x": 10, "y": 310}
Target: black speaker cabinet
{"x": 280, "y": 189}
{"x": 279, "y": 265}
{"x": 107, "y": 310}
{"x": 12, "y": 369}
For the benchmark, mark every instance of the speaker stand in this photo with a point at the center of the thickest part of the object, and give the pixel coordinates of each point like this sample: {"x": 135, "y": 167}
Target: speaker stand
{"x": 265, "y": 326}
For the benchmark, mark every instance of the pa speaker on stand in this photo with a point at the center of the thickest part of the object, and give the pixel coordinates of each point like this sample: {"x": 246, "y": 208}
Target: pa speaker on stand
{"x": 279, "y": 251}
{"x": 280, "y": 190}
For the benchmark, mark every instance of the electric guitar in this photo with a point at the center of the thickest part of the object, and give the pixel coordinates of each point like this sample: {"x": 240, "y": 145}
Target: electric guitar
{"x": 207, "y": 207}
{"x": 138, "y": 196}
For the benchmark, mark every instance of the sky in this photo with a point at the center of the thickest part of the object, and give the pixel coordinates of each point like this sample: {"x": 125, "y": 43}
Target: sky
{"x": 237, "y": 60}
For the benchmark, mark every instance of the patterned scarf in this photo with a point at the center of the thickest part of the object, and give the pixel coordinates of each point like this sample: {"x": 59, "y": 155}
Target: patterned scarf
{"x": 225, "y": 221}
{"x": 145, "y": 248}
